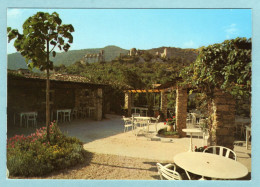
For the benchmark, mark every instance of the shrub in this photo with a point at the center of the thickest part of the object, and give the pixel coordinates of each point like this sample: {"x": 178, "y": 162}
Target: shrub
{"x": 164, "y": 131}
{"x": 34, "y": 155}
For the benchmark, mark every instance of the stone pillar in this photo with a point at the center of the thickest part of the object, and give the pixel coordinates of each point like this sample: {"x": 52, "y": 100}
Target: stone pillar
{"x": 181, "y": 110}
{"x": 128, "y": 102}
{"x": 99, "y": 104}
{"x": 164, "y": 103}
{"x": 223, "y": 127}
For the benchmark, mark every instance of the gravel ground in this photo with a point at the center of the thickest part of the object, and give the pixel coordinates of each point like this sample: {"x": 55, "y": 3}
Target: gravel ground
{"x": 104, "y": 166}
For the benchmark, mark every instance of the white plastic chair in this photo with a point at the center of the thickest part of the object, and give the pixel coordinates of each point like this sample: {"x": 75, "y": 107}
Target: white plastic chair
{"x": 74, "y": 113}
{"x": 128, "y": 123}
{"x": 222, "y": 151}
{"x": 155, "y": 122}
{"x": 66, "y": 114}
{"x": 134, "y": 121}
{"x": 166, "y": 173}
{"x": 31, "y": 117}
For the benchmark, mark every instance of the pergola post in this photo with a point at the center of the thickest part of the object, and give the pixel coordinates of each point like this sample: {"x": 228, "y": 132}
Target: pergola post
{"x": 128, "y": 102}
{"x": 181, "y": 109}
{"x": 164, "y": 103}
{"x": 223, "y": 127}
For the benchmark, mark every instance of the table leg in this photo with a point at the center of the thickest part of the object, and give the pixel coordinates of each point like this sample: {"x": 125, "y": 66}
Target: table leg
{"x": 191, "y": 145}
{"x": 21, "y": 117}
{"x": 247, "y": 138}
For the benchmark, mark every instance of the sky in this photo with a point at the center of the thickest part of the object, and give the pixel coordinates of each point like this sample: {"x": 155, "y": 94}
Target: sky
{"x": 145, "y": 28}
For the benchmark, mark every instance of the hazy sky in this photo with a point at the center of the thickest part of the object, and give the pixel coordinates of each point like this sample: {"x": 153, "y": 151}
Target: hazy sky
{"x": 145, "y": 28}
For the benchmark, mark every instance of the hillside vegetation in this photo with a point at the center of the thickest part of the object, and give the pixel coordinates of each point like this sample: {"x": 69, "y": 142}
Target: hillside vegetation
{"x": 16, "y": 61}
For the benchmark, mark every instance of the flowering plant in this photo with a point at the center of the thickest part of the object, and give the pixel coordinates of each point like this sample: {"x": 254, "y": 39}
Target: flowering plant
{"x": 35, "y": 155}
{"x": 200, "y": 149}
{"x": 170, "y": 121}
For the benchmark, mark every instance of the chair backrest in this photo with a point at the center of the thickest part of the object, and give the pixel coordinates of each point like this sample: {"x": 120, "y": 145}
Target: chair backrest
{"x": 32, "y": 116}
{"x": 222, "y": 151}
{"x": 168, "y": 173}
{"x": 135, "y": 115}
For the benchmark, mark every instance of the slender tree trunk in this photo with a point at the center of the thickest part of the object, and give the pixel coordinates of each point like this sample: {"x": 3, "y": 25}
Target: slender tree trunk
{"x": 48, "y": 94}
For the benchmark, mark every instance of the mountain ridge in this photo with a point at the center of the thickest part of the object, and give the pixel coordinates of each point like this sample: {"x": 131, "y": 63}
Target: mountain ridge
{"x": 17, "y": 61}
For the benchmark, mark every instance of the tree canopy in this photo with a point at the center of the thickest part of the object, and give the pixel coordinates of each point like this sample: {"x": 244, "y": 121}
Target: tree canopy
{"x": 39, "y": 31}
{"x": 226, "y": 66}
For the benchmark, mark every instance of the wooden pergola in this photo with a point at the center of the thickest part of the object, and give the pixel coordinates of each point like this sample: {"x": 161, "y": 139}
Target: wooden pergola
{"x": 221, "y": 108}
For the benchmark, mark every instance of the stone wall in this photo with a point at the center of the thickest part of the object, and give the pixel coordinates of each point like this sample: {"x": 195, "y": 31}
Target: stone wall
{"x": 223, "y": 117}
{"x": 181, "y": 110}
{"x": 90, "y": 98}
{"x": 84, "y": 98}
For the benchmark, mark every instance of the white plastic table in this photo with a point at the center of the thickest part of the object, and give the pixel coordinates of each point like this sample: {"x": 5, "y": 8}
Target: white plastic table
{"x": 63, "y": 111}
{"x": 194, "y": 130}
{"x": 210, "y": 165}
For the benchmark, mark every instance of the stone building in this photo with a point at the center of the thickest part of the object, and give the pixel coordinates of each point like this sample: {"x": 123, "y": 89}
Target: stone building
{"x": 95, "y": 57}
{"x": 28, "y": 94}
{"x": 135, "y": 52}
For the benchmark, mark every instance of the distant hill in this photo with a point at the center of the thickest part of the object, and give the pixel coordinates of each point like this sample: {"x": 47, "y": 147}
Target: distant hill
{"x": 16, "y": 61}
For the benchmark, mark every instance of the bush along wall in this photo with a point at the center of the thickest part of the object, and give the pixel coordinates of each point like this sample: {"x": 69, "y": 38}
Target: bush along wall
{"x": 34, "y": 155}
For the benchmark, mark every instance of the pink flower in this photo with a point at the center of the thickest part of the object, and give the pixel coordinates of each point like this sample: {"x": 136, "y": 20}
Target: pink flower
{"x": 164, "y": 123}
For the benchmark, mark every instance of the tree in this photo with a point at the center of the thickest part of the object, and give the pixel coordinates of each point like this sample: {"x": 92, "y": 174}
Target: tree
{"x": 226, "y": 66}
{"x": 40, "y": 32}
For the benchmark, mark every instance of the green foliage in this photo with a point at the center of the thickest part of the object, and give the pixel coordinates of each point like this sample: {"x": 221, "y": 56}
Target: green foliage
{"x": 200, "y": 149}
{"x": 39, "y": 32}
{"x": 164, "y": 131}
{"x": 34, "y": 155}
{"x": 226, "y": 66}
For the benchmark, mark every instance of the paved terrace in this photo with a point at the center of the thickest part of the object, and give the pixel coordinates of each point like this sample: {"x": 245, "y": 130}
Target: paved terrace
{"x": 108, "y": 137}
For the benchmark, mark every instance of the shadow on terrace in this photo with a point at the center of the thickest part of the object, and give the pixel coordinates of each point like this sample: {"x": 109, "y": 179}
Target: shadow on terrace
{"x": 86, "y": 130}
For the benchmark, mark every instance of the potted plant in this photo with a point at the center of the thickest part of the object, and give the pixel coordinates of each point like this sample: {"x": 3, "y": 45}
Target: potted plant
{"x": 170, "y": 122}
{"x": 200, "y": 149}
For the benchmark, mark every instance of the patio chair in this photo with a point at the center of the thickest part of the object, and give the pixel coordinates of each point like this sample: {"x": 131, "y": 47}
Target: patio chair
{"x": 134, "y": 121}
{"x": 166, "y": 173}
{"x": 155, "y": 122}
{"x": 128, "y": 123}
{"x": 74, "y": 113}
{"x": 31, "y": 117}
{"x": 66, "y": 115}
{"x": 222, "y": 151}
{"x": 136, "y": 115}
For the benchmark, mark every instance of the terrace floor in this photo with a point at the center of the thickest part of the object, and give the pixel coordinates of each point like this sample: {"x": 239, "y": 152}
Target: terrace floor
{"x": 108, "y": 137}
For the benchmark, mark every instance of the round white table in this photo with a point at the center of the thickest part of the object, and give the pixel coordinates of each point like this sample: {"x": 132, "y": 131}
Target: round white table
{"x": 191, "y": 131}
{"x": 210, "y": 165}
